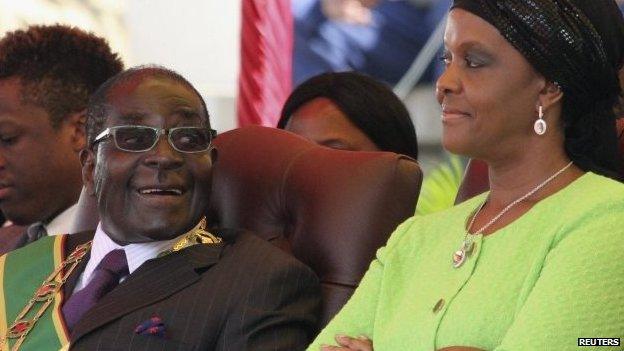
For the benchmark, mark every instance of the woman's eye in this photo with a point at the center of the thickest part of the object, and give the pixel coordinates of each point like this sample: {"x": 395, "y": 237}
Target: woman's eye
{"x": 7, "y": 140}
{"x": 473, "y": 62}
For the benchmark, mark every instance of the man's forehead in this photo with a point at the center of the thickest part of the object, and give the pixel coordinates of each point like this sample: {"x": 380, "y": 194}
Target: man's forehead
{"x": 151, "y": 86}
{"x": 142, "y": 96}
{"x": 15, "y": 109}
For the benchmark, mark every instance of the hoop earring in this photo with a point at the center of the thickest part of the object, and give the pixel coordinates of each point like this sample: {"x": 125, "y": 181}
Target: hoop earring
{"x": 540, "y": 125}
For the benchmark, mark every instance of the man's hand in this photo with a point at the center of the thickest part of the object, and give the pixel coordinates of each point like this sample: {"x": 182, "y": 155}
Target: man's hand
{"x": 347, "y": 343}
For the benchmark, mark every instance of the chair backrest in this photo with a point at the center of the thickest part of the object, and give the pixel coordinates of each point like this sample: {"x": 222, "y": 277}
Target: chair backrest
{"x": 332, "y": 209}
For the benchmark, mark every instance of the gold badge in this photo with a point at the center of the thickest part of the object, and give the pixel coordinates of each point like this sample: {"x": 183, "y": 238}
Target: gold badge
{"x": 197, "y": 235}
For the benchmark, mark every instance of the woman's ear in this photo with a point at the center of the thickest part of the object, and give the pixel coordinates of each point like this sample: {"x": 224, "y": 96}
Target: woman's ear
{"x": 550, "y": 95}
{"x": 87, "y": 160}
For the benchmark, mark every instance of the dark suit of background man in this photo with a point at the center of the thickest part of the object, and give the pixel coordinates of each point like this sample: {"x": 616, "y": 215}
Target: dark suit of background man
{"x": 152, "y": 188}
{"x": 47, "y": 74}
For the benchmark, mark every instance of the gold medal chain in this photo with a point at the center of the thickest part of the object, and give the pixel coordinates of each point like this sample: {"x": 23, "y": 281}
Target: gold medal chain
{"x": 54, "y": 282}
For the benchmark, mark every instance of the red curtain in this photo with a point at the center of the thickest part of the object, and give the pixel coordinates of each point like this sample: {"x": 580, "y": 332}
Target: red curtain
{"x": 266, "y": 61}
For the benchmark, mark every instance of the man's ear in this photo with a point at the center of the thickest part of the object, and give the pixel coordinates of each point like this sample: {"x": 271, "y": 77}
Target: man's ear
{"x": 77, "y": 123}
{"x": 550, "y": 95}
{"x": 87, "y": 160}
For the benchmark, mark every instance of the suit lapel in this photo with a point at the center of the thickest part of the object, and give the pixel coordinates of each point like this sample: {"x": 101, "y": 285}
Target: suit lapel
{"x": 153, "y": 281}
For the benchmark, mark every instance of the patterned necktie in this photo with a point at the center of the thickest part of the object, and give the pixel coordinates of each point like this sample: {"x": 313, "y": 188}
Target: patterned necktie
{"x": 105, "y": 278}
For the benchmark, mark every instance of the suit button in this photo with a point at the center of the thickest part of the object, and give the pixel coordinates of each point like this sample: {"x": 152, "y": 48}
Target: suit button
{"x": 438, "y": 306}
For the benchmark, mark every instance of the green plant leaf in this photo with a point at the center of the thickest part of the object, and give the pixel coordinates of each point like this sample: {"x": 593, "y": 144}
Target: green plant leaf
{"x": 440, "y": 187}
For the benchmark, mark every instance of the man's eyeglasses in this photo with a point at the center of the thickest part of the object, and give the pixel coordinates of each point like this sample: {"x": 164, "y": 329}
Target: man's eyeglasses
{"x": 144, "y": 138}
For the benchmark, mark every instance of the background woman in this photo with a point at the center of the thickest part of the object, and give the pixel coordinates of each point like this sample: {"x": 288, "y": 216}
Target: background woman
{"x": 536, "y": 263}
{"x": 350, "y": 111}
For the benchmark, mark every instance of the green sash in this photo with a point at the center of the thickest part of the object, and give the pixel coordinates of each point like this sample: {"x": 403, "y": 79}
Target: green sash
{"x": 22, "y": 272}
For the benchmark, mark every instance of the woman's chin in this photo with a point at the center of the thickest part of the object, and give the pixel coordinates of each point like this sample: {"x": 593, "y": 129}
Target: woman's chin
{"x": 454, "y": 145}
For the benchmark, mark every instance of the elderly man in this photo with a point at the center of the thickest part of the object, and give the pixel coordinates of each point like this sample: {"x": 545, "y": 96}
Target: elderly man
{"x": 151, "y": 277}
{"x": 47, "y": 74}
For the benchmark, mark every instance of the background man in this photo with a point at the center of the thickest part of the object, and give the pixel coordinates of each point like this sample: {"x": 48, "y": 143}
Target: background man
{"x": 47, "y": 74}
{"x": 240, "y": 293}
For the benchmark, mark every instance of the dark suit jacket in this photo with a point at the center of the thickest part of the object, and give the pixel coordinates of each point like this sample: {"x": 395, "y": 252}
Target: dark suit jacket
{"x": 12, "y": 237}
{"x": 241, "y": 295}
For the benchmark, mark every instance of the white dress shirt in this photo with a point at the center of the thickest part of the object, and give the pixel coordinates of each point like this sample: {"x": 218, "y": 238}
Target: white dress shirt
{"x": 136, "y": 254}
{"x": 62, "y": 223}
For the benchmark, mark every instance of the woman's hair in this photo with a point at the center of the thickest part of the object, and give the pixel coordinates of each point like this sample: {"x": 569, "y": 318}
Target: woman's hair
{"x": 579, "y": 45}
{"x": 367, "y": 103}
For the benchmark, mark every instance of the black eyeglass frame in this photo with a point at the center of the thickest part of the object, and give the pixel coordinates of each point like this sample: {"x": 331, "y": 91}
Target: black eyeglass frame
{"x": 110, "y": 132}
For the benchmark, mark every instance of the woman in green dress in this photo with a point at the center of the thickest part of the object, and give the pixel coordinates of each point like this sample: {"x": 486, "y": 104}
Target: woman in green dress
{"x": 537, "y": 262}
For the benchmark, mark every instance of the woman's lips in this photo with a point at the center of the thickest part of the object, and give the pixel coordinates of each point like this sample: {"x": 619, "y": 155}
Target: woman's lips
{"x": 449, "y": 115}
{"x": 5, "y": 191}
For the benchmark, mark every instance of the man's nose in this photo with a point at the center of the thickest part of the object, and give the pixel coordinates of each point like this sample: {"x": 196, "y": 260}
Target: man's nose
{"x": 163, "y": 155}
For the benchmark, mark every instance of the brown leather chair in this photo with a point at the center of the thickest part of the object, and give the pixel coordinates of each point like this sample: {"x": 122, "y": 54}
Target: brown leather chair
{"x": 331, "y": 209}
